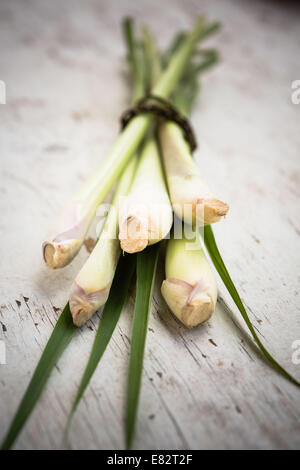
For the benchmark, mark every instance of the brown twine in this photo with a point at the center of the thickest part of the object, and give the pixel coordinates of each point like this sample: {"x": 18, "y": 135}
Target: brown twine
{"x": 162, "y": 108}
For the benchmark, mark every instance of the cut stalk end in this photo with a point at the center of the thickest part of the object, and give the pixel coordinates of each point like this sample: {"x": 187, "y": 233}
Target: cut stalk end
{"x": 83, "y": 305}
{"x": 210, "y": 210}
{"x": 145, "y": 215}
{"x": 191, "y": 304}
{"x": 134, "y": 235}
{"x": 200, "y": 211}
{"x": 214, "y": 209}
{"x": 190, "y": 288}
{"x": 59, "y": 254}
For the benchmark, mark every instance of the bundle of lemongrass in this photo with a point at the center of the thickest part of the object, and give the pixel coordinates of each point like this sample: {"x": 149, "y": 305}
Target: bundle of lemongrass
{"x": 157, "y": 177}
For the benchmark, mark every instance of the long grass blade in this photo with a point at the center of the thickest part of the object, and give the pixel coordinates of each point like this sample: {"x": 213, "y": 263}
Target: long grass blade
{"x": 146, "y": 269}
{"x": 58, "y": 341}
{"x": 135, "y": 59}
{"x": 109, "y": 320}
{"x": 174, "y": 46}
{"x": 217, "y": 260}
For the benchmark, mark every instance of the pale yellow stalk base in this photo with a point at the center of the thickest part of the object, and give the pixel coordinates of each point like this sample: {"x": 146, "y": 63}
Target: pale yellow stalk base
{"x": 91, "y": 287}
{"x": 190, "y": 196}
{"x": 190, "y": 288}
{"x": 83, "y": 305}
{"x": 146, "y": 216}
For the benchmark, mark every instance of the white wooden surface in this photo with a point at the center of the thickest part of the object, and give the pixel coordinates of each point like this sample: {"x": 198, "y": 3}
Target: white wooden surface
{"x": 62, "y": 64}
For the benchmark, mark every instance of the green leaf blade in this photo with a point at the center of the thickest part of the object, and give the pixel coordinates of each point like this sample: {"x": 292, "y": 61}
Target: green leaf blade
{"x": 146, "y": 270}
{"x": 58, "y": 341}
{"x": 217, "y": 260}
{"x": 110, "y": 317}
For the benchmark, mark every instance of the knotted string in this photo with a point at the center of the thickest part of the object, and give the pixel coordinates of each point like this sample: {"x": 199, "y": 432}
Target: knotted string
{"x": 162, "y": 108}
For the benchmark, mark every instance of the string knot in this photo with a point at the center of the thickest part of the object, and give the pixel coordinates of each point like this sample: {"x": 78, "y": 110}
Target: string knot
{"x": 162, "y": 108}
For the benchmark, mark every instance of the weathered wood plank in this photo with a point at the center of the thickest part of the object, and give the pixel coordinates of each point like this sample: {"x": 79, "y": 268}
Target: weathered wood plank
{"x": 206, "y": 388}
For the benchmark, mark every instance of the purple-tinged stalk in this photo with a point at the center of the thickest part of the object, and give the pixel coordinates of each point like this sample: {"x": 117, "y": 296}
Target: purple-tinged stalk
{"x": 190, "y": 288}
{"x": 91, "y": 287}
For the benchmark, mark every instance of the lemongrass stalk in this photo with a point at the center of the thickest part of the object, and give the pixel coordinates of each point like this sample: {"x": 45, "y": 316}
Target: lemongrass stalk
{"x": 67, "y": 237}
{"x": 190, "y": 288}
{"x": 173, "y": 47}
{"x": 186, "y": 92}
{"x": 191, "y": 198}
{"x": 135, "y": 59}
{"x": 91, "y": 287}
{"x": 145, "y": 215}
{"x": 152, "y": 58}
{"x": 179, "y": 60}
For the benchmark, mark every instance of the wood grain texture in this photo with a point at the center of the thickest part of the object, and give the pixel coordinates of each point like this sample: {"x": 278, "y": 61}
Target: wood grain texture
{"x": 63, "y": 65}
